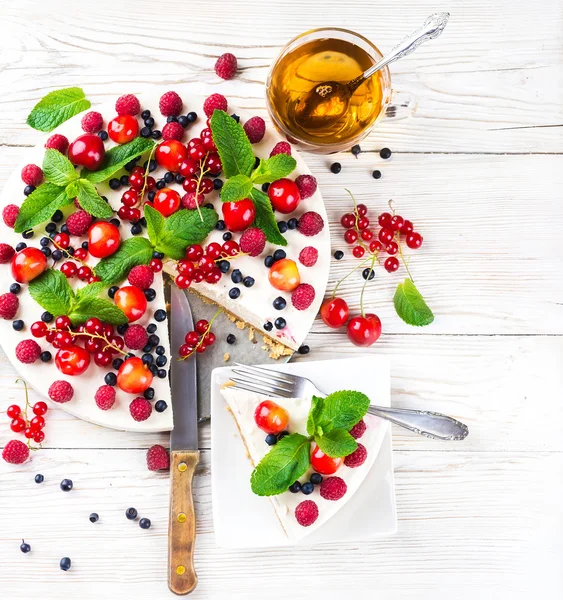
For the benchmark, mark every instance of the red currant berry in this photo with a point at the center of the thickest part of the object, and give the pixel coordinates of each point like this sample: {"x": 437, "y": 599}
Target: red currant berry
{"x": 103, "y": 358}
{"x": 231, "y": 248}
{"x": 62, "y": 240}
{"x": 190, "y": 185}
{"x": 363, "y": 223}
{"x": 63, "y": 322}
{"x": 156, "y": 265}
{"x": 199, "y": 276}
{"x": 81, "y": 254}
{"x": 213, "y": 163}
{"x": 192, "y": 338}
{"x": 123, "y": 129}
{"x": 334, "y": 312}
{"x": 38, "y": 437}
{"x": 94, "y": 326}
{"x": 271, "y": 417}
{"x": 238, "y": 215}
{"x": 213, "y": 250}
{"x": 137, "y": 178}
{"x": 94, "y": 345}
{"x": 183, "y": 281}
{"x": 40, "y": 408}
{"x": 188, "y": 168}
{"x": 196, "y": 151}
{"x": 385, "y": 235}
{"x": 206, "y": 264}
{"x": 414, "y": 240}
{"x": 194, "y": 252}
{"x": 201, "y": 348}
{"x": 39, "y": 329}
{"x": 167, "y": 201}
{"x": 214, "y": 276}
{"x": 358, "y": 251}
{"x": 84, "y": 273}
{"x": 324, "y": 464}
{"x": 37, "y": 422}
{"x": 63, "y": 339}
{"x": 186, "y": 268}
{"x": 407, "y": 227}
{"x": 209, "y": 339}
{"x": 50, "y": 336}
{"x": 206, "y": 186}
{"x": 366, "y": 235}
{"x": 185, "y": 350}
{"x": 201, "y": 326}
{"x": 17, "y": 425}
{"x": 207, "y": 140}
{"x": 362, "y": 210}
{"x": 124, "y": 213}
{"x": 284, "y": 195}
{"x": 348, "y": 220}
{"x": 13, "y": 411}
{"x": 103, "y": 239}
{"x": 68, "y": 269}
{"x": 391, "y": 264}
{"x": 116, "y": 340}
{"x": 384, "y": 219}
{"x": 392, "y": 247}
{"x": 351, "y": 236}
{"x": 130, "y": 198}
{"x": 28, "y": 432}
{"x": 134, "y": 215}
{"x": 396, "y": 222}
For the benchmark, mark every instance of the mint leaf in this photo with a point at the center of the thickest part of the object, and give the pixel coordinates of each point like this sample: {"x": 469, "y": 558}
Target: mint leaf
{"x": 314, "y": 412}
{"x": 91, "y": 201}
{"x": 89, "y": 291}
{"x": 72, "y": 189}
{"x": 56, "y": 108}
{"x": 58, "y": 169}
{"x": 232, "y": 144}
{"x": 88, "y": 306}
{"x": 336, "y": 443}
{"x": 287, "y": 461}
{"x": 265, "y": 218}
{"x": 273, "y": 168}
{"x": 410, "y": 305}
{"x": 52, "y": 292}
{"x": 236, "y": 188}
{"x": 132, "y": 252}
{"x": 40, "y": 205}
{"x": 339, "y": 410}
{"x": 183, "y": 228}
{"x": 117, "y": 157}
{"x": 155, "y": 223}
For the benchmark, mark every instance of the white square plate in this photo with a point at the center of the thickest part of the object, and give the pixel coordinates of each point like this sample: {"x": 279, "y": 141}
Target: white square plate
{"x": 244, "y": 520}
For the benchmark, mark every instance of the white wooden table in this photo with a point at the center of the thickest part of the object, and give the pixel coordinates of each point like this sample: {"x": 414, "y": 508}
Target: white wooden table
{"x": 480, "y": 172}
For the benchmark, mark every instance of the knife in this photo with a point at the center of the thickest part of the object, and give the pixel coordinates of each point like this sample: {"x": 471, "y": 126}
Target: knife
{"x": 184, "y": 453}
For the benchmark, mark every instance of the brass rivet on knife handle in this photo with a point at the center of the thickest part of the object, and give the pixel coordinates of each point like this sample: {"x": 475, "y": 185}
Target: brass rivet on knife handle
{"x": 182, "y": 578}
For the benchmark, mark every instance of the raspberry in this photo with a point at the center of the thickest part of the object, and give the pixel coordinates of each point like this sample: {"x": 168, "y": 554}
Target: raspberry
{"x": 170, "y": 104}
{"x": 173, "y": 131}
{"x": 307, "y": 185}
{"x": 141, "y": 276}
{"x": 306, "y": 513}
{"x": 157, "y": 458}
{"x": 252, "y": 241}
{"x": 10, "y": 214}
{"x": 57, "y": 142}
{"x": 333, "y": 488}
{"x": 140, "y": 409}
{"x": 128, "y": 105}
{"x": 92, "y": 122}
{"x": 6, "y": 253}
{"x": 308, "y": 256}
{"x": 303, "y": 296}
{"x": 105, "y": 397}
{"x": 214, "y": 102}
{"x": 61, "y": 391}
{"x": 357, "y": 458}
{"x": 15, "y": 452}
{"x": 78, "y": 222}
{"x": 189, "y": 200}
{"x": 226, "y": 66}
{"x": 28, "y": 351}
{"x": 255, "y": 128}
{"x": 281, "y": 148}
{"x": 9, "y": 304}
{"x": 135, "y": 337}
{"x": 310, "y": 223}
{"x": 358, "y": 430}
{"x": 32, "y": 175}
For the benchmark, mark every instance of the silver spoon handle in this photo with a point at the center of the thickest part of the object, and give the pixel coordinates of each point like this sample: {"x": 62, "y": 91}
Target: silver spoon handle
{"x": 430, "y": 424}
{"x": 432, "y": 28}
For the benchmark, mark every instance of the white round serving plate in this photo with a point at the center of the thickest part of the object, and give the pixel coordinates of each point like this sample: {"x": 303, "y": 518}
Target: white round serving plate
{"x": 40, "y": 375}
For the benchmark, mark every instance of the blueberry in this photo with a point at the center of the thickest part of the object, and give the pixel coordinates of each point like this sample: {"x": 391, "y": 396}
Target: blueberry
{"x": 234, "y": 293}
{"x": 46, "y": 251}
{"x": 268, "y": 261}
{"x": 145, "y": 132}
{"x": 156, "y": 134}
{"x": 224, "y": 266}
{"x": 295, "y": 487}
{"x": 145, "y": 523}
{"x": 268, "y": 326}
{"x": 231, "y": 339}
{"x": 131, "y": 513}
{"x": 160, "y": 184}
{"x": 25, "y": 548}
{"x": 46, "y": 317}
{"x": 45, "y": 356}
{"x": 65, "y": 563}
{"x": 136, "y": 229}
{"x": 169, "y": 177}
{"x": 248, "y": 281}
{"x": 280, "y": 323}
{"x": 21, "y": 246}
{"x": 336, "y": 167}
{"x": 39, "y": 478}
{"x": 158, "y": 255}
{"x": 339, "y": 255}
{"x": 85, "y": 245}
{"x": 161, "y": 361}
{"x": 217, "y": 184}
{"x": 385, "y": 153}
{"x": 171, "y": 119}
{"x": 151, "y": 328}
{"x": 27, "y": 234}
{"x": 94, "y": 517}
{"x": 160, "y": 315}
{"x": 145, "y": 114}
{"x": 235, "y": 117}
{"x": 355, "y": 150}
{"x": 150, "y": 294}
{"x": 376, "y": 174}
{"x": 103, "y": 135}
{"x": 151, "y": 196}
{"x": 160, "y": 406}
{"x": 304, "y": 349}
{"x": 15, "y": 288}
{"x": 271, "y": 439}
{"x": 183, "y": 120}
{"x": 282, "y": 434}
{"x": 154, "y": 340}
{"x": 279, "y": 303}
{"x": 368, "y": 274}
{"x": 110, "y": 379}
{"x": 279, "y": 255}
{"x": 124, "y": 180}
{"x": 28, "y": 189}
{"x": 191, "y": 116}
{"x": 282, "y": 226}
{"x": 220, "y": 225}
{"x": 265, "y": 187}
{"x": 292, "y": 223}
{"x": 307, "y": 488}
{"x": 51, "y": 227}
{"x": 121, "y": 329}
{"x": 66, "y": 485}
{"x": 316, "y": 478}
{"x": 147, "y": 348}
{"x": 160, "y": 350}
{"x": 17, "y": 324}
{"x": 208, "y": 205}
{"x": 152, "y": 165}
{"x": 149, "y": 122}
{"x": 114, "y": 183}
{"x": 57, "y": 216}
{"x": 161, "y": 373}
{"x": 179, "y": 178}
{"x": 147, "y": 358}
{"x": 227, "y": 236}
{"x": 236, "y": 276}
{"x": 44, "y": 241}
{"x": 57, "y": 255}
{"x": 112, "y": 290}
{"x": 64, "y": 228}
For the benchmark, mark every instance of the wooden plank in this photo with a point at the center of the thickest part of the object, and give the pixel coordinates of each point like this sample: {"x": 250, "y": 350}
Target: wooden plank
{"x": 470, "y": 525}
{"x": 491, "y": 83}
{"x": 504, "y": 387}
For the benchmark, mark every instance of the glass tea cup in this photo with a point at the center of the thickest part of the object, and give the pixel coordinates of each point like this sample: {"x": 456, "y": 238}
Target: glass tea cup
{"x": 332, "y": 54}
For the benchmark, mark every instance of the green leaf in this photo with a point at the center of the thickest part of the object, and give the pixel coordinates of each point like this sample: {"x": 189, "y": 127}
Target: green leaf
{"x": 132, "y": 252}
{"x": 155, "y": 223}
{"x": 117, "y": 157}
{"x": 314, "y": 412}
{"x": 52, "y": 292}
{"x": 410, "y": 305}
{"x": 56, "y": 108}
{"x": 232, "y": 144}
{"x": 91, "y": 201}
{"x": 40, "y": 205}
{"x": 88, "y": 306}
{"x": 265, "y": 218}
{"x": 58, "y": 169}
{"x": 340, "y": 410}
{"x": 236, "y": 188}
{"x": 336, "y": 443}
{"x": 184, "y": 228}
{"x": 288, "y": 460}
{"x": 273, "y": 168}
{"x": 90, "y": 291}
{"x": 72, "y": 189}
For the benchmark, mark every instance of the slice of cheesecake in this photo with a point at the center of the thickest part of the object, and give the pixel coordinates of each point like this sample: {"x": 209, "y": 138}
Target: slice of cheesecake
{"x": 243, "y": 406}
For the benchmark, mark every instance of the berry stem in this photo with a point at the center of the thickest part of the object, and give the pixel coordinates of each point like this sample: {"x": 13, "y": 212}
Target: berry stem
{"x": 358, "y": 266}
{"x": 65, "y": 253}
{"x": 95, "y": 336}
{"x": 202, "y": 337}
{"x": 202, "y": 172}
{"x": 147, "y": 171}
{"x": 403, "y": 259}
{"x": 373, "y": 258}
{"x": 27, "y": 405}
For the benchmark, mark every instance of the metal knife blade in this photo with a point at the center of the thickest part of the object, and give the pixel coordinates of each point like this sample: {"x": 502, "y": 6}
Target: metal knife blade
{"x": 183, "y": 376}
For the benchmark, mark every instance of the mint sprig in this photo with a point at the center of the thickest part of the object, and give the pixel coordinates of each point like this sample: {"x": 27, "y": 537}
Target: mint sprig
{"x": 91, "y": 201}
{"x": 410, "y": 305}
{"x": 233, "y": 146}
{"x": 265, "y": 218}
{"x": 273, "y": 168}
{"x": 117, "y": 157}
{"x": 40, "y": 206}
{"x": 236, "y": 188}
{"x": 132, "y": 252}
{"x": 58, "y": 169}
{"x": 57, "y": 107}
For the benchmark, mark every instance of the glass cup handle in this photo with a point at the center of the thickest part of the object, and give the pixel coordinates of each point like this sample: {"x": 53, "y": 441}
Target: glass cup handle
{"x": 401, "y": 106}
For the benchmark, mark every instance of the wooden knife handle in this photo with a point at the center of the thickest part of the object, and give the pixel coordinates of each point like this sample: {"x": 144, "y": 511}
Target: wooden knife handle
{"x": 182, "y": 578}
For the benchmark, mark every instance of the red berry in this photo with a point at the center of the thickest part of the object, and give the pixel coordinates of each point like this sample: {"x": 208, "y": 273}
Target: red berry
{"x": 307, "y": 185}
{"x": 28, "y": 264}
{"x": 384, "y": 219}
{"x": 38, "y": 437}
{"x": 134, "y": 377}
{"x": 62, "y": 240}
{"x": 39, "y": 329}
{"x": 364, "y": 331}
{"x": 209, "y": 339}
{"x": 363, "y": 223}
{"x": 92, "y": 122}
{"x": 284, "y": 275}
{"x": 15, "y": 452}
{"x": 63, "y": 322}
{"x": 351, "y": 236}
{"x": 201, "y": 326}
{"x": 17, "y": 425}
{"x": 63, "y": 339}
{"x": 213, "y": 250}
{"x": 214, "y": 102}
{"x": 28, "y": 432}
{"x": 84, "y": 273}
{"x": 281, "y": 148}
{"x": 226, "y": 66}
{"x": 271, "y": 417}
{"x": 38, "y": 422}
{"x": 104, "y": 397}
{"x": 32, "y": 175}
{"x": 13, "y": 411}
{"x": 366, "y": 235}
{"x": 385, "y": 235}
{"x": 73, "y": 360}
{"x": 6, "y": 253}
{"x": 255, "y": 128}
{"x": 68, "y": 269}
{"x": 358, "y": 430}
{"x": 375, "y": 246}
{"x": 172, "y": 131}
{"x": 194, "y": 252}
{"x": 131, "y": 301}
{"x": 140, "y": 409}
{"x": 284, "y": 195}
{"x": 206, "y": 137}
{"x": 391, "y": 264}
{"x": 396, "y": 222}
{"x": 137, "y": 179}
{"x": 407, "y": 227}
{"x": 334, "y": 312}
{"x": 57, "y": 142}
{"x": 78, "y": 223}
{"x": 87, "y": 151}
{"x": 102, "y": 358}
{"x": 392, "y": 247}
{"x": 134, "y": 214}
{"x": 191, "y": 201}
{"x": 141, "y": 276}
{"x": 9, "y": 305}
{"x": 170, "y": 104}
{"x": 94, "y": 326}
{"x": 362, "y": 210}
{"x": 123, "y": 129}
{"x": 206, "y": 186}
{"x": 213, "y": 163}
{"x": 333, "y": 488}
{"x": 358, "y": 251}
{"x": 103, "y": 239}
{"x": 357, "y": 458}
{"x": 324, "y": 464}
{"x": 414, "y": 240}
{"x": 306, "y": 513}
{"x": 186, "y": 268}
{"x": 303, "y": 296}
{"x": 128, "y": 105}
{"x": 238, "y": 215}
{"x": 61, "y": 391}
{"x": 308, "y": 256}
{"x": 252, "y": 242}
{"x": 192, "y": 338}
{"x": 28, "y": 351}
{"x": 129, "y": 198}
{"x": 156, "y": 265}
{"x": 232, "y": 248}
{"x": 40, "y": 408}
{"x": 185, "y": 350}
{"x": 188, "y": 168}
{"x": 348, "y": 220}
{"x": 167, "y": 201}
{"x": 81, "y": 254}
{"x": 171, "y": 154}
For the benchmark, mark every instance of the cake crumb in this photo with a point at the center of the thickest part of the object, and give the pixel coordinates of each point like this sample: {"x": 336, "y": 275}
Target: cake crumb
{"x": 277, "y": 349}
{"x": 226, "y": 356}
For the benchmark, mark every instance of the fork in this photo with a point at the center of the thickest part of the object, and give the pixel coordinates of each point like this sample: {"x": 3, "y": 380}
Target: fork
{"x": 285, "y": 385}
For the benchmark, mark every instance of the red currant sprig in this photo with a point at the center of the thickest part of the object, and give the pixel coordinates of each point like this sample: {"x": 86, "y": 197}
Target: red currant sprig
{"x": 31, "y": 428}
{"x": 198, "y": 340}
